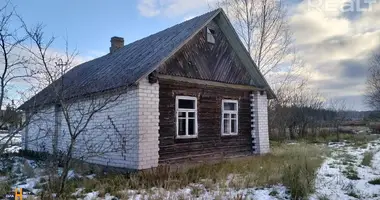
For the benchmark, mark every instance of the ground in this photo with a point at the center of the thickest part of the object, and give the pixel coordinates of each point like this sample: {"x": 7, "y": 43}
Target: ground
{"x": 347, "y": 170}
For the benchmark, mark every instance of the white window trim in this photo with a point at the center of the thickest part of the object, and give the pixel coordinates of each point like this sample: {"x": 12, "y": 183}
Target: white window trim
{"x": 230, "y": 112}
{"x": 186, "y": 110}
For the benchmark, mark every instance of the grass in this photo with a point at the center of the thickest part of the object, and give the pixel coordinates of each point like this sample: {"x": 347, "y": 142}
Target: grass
{"x": 324, "y": 197}
{"x": 367, "y": 158}
{"x": 375, "y": 181}
{"x": 347, "y": 159}
{"x": 292, "y": 165}
{"x": 351, "y": 173}
{"x": 353, "y": 194}
{"x": 5, "y": 188}
{"x": 359, "y": 140}
{"x": 273, "y": 193}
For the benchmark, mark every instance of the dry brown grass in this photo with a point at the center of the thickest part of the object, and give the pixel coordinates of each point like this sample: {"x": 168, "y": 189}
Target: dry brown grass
{"x": 292, "y": 165}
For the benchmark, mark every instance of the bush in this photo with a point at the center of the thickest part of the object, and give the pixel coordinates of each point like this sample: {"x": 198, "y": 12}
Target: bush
{"x": 375, "y": 181}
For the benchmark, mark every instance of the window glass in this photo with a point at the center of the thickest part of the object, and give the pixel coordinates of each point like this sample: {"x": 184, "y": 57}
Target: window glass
{"x": 226, "y": 126}
{"x": 191, "y": 127}
{"x": 233, "y": 126}
{"x": 229, "y": 117}
{"x": 182, "y": 127}
{"x": 229, "y": 106}
{"x": 186, "y": 115}
{"x": 186, "y": 104}
{"x": 181, "y": 114}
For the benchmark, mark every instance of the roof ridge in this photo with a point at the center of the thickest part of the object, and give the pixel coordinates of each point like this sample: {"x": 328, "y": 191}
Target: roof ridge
{"x": 173, "y": 26}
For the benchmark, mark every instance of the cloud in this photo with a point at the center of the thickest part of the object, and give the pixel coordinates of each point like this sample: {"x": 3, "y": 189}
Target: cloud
{"x": 148, "y": 8}
{"x": 335, "y": 40}
{"x": 21, "y": 89}
{"x": 313, "y": 27}
{"x": 173, "y": 8}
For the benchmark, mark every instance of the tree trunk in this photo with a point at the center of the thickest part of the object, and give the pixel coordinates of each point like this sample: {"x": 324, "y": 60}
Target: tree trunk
{"x": 66, "y": 167}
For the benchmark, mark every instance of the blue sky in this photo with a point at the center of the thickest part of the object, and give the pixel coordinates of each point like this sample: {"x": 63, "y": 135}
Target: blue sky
{"x": 89, "y": 25}
{"x": 334, "y": 44}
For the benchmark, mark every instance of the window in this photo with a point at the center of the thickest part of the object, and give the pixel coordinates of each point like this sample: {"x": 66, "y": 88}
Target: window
{"x": 230, "y": 117}
{"x": 210, "y": 36}
{"x": 186, "y": 114}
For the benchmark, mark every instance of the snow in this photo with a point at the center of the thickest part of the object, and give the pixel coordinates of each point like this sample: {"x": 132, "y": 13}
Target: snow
{"x": 202, "y": 193}
{"x": 332, "y": 181}
{"x": 29, "y": 183}
{"x": 16, "y": 139}
{"x": 91, "y": 196}
{"x": 12, "y": 149}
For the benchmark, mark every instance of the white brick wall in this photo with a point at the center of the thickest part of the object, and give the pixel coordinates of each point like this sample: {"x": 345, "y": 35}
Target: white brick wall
{"x": 148, "y": 95}
{"x": 259, "y": 110}
{"x": 135, "y": 115}
{"x": 41, "y": 130}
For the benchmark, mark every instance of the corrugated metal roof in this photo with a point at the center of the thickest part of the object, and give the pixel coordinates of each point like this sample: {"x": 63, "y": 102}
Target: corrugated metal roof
{"x": 125, "y": 66}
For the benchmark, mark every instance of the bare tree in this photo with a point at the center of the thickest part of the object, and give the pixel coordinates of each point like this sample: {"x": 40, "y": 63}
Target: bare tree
{"x": 373, "y": 82}
{"x": 15, "y": 69}
{"x": 339, "y": 108}
{"x": 295, "y": 111}
{"x": 75, "y": 115}
{"x": 263, "y": 27}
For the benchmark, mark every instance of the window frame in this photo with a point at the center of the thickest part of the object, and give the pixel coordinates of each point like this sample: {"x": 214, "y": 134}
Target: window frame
{"x": 210, "y": 38}
{"x": 230, "y": 112}
{"x": 178, "y": 110}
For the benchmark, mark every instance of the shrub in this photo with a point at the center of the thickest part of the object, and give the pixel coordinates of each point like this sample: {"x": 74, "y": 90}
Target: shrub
{"x": 375, "y": 181}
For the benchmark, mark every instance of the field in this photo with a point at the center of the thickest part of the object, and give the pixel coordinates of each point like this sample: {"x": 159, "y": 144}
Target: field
{"x": 310, "y": 169}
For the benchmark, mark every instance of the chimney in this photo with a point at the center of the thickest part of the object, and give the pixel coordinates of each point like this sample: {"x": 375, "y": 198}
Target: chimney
{"x": 116, "y": 43}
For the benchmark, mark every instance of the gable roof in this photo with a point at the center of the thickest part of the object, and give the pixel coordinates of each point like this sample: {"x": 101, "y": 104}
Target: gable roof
{"x": 129, "y": 64}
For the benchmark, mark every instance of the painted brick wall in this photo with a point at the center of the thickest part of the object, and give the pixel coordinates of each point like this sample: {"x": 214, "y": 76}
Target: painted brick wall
{"x": 40, "y": 131}
{"x": 124, "y": 134}
{"x": 148, "y": 97}
{"x": 111, "y": 136}
{"x": 259, "y": 113}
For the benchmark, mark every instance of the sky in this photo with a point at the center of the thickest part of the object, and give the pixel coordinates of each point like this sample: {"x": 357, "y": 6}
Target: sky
{"x": 334, "y": 38}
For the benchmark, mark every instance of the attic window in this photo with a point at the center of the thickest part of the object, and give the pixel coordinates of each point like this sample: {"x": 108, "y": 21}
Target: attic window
{"x": 210, "y": 36}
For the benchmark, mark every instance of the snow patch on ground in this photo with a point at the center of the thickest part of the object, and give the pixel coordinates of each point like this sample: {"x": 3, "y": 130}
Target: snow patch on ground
{"x": 336, "y": 178}
{"x": 12, "y": 149}
{"x": 199, "y": 192}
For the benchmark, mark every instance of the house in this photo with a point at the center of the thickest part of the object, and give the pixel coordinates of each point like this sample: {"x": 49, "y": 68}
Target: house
{"x": 193, "y": 94}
